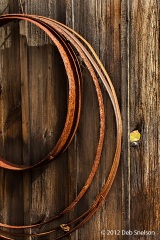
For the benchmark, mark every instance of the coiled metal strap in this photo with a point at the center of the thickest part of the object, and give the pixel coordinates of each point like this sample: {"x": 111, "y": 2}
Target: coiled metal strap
{"x": 69, "y": 43}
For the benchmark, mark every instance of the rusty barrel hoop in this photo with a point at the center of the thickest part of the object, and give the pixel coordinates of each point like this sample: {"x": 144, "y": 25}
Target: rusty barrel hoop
{"x": 69, "y": 43}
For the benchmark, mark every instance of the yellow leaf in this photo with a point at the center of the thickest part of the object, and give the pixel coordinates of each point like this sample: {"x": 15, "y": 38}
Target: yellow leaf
{"x": 135, "y": 136}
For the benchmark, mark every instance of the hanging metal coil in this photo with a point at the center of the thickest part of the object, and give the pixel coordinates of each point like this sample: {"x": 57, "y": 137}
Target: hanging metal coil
{"x": 69, "y": 43}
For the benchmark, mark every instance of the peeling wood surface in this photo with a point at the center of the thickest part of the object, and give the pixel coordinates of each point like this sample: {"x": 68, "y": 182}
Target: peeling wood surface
{"x": 33, "y": 101}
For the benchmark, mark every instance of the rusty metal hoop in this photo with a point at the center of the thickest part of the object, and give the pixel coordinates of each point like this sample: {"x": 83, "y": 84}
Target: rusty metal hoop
{"x": 67, "y": 40}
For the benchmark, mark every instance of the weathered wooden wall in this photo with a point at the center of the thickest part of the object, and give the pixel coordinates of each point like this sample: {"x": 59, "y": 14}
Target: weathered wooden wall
{"x": 33, "y": 93}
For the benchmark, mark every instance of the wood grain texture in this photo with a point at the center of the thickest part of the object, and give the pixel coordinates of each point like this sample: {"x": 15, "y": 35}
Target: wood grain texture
{"x": 125, "y": 110}
{"x": 33, "y": 105}
{"x": 144, "y": 115}
{"x": 11, "y": 122}
{"x": 100, "y": 26}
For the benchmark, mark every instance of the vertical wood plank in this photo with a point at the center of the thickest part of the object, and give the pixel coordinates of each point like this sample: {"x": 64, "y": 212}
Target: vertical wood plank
{"x": 100, "y": 26}
{"x": 11, "y": 130}
{"x": 125, "y": 106}
{"x": 88, "y": 122}
{"x": 144, "y": 115}
{"x": 110, "y": 56}
{"x": 48, "y": 86}
{"x": 25, "y": 124}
